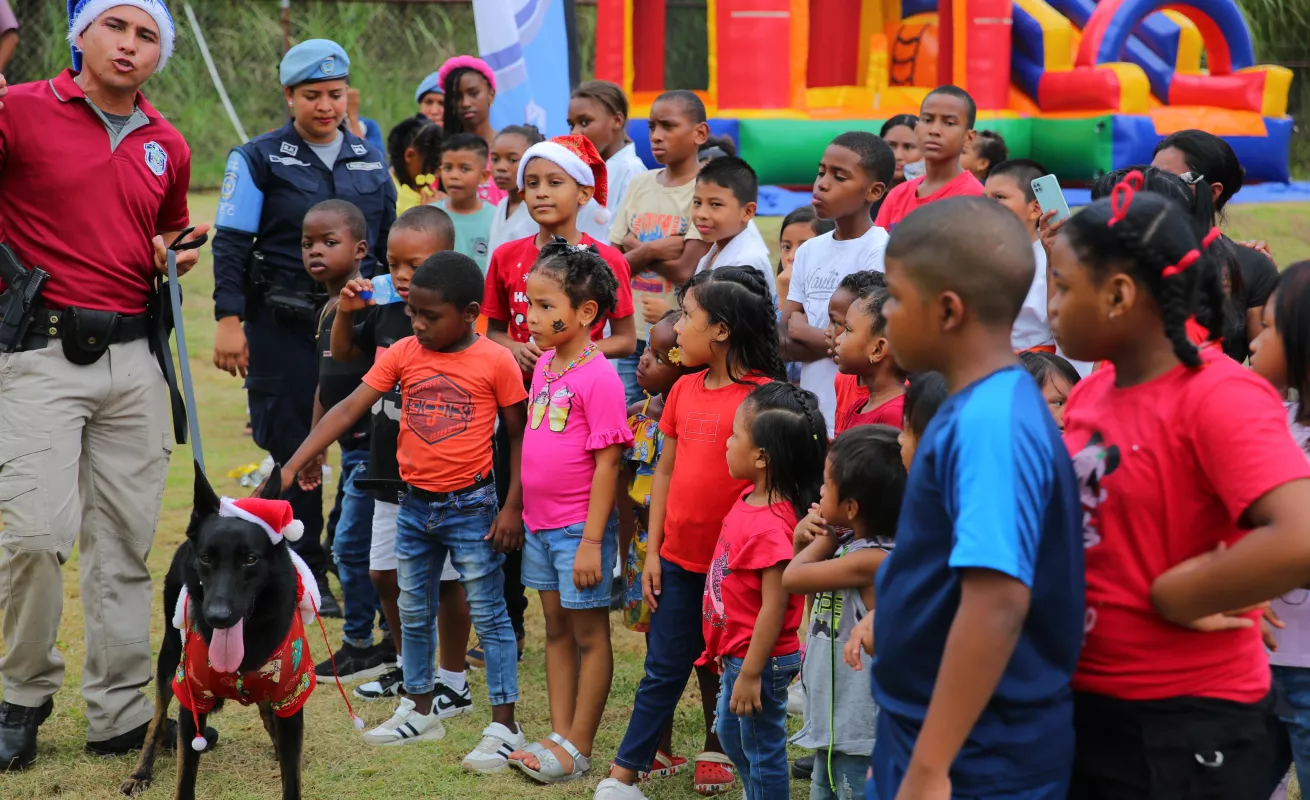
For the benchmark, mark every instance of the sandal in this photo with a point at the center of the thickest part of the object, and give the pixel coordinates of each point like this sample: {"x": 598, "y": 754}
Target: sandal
{"x": 664, "y": 766}
{"x": 552, "y": 771}
{"x": 714, "y": 773}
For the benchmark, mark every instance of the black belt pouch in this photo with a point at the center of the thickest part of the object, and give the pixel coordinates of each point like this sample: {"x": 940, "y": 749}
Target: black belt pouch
{"x": 87, "y": 334}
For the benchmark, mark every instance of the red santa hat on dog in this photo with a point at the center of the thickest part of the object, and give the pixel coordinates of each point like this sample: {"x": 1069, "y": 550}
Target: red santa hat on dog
{"x": 580, "y": 159}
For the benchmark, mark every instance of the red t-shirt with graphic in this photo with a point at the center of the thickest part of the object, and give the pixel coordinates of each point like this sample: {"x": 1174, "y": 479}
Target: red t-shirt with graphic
{"x": 448, "y": 408}
{"x": 904, "y": 199}
{"x": 506, "y": 296}
{"x": 751, "y": 539}
{"x": 1167, "y": 470}
{"x": 701, "y": 491}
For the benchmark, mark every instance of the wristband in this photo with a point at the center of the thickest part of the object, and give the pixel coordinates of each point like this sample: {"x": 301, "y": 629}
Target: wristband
{"x": 592, "y": 541}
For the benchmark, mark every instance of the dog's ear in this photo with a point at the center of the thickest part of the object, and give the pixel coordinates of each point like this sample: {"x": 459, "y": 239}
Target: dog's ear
{"x": 204, "y": 502}
{"x": 271, "y": 488}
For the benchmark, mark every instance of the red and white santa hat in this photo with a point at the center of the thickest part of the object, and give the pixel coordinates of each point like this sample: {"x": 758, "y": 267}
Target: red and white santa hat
{"x": 274, "y": 516}
{"x": 580, "y": 159}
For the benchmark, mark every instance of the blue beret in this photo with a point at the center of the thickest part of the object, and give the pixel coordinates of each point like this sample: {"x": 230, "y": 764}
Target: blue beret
{"x": 431, "y": 83}
{"x": 314, "y": 60}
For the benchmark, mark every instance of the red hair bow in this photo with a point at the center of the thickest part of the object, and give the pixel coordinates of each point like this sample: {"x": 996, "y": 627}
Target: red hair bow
{"x": 1192, "y": 256}
{"x": 1121, "y": 197}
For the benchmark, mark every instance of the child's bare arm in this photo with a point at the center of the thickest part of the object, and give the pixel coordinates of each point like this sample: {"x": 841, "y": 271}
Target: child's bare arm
{"x": 588, "y": 570}
{"x": 506, "y": 533}
{"x": 651, "y": 577}
{"x": 993, "y": 607}
{"x": 679, "y": 270}
{"x": 622, "y": 340}
{"x": 814, "y": 569}
{"x": 745, "y": 699}
{"x": 799, "y": 340}
{"x": 333, "y": 426}
{"x": 1271, "y": 560}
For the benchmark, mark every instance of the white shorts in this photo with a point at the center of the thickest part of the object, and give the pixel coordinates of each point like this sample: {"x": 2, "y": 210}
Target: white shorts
{"x": 382, "y": 552}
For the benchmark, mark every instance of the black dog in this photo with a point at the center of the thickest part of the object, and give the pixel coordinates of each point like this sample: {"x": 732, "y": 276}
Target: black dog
{"x": 231, "y": 570}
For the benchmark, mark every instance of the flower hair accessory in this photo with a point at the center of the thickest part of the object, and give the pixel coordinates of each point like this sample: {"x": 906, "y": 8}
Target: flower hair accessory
{"x": 1192, "y": 256}
{"x": 1121, "y": 197}
{"x": 675, "y": 356}
{"x": 467, "y": 62}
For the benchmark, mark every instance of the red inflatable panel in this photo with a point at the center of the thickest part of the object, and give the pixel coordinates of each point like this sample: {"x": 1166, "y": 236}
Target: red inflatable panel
{"x": 1243, "y": 91}
{"x": 1079, "y": 90}
{"x": 834, "y": 42}
{"x": 754, "y": 53}
{"x": 648, "y": 45}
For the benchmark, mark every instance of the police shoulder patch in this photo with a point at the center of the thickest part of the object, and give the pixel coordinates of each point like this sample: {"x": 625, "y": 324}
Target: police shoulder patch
{"x": 289, "y": 148}
{"x": 156, "y": 158}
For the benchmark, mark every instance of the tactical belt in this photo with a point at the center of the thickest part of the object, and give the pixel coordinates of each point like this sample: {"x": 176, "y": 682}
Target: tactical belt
{"x": 48, "y": 324}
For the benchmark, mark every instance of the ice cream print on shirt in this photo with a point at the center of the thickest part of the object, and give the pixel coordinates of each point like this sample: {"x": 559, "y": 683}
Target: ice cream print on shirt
{"x": 1093, "y": 464}
{"x": 558, "y": 402}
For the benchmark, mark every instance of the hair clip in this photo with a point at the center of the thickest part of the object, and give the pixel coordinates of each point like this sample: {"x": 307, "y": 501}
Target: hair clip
{"x": 1121, "y": 197}
{"x": 1192, "y": 178}
{"x": 1211, "y": 238}
{"x": 583, "y": 249}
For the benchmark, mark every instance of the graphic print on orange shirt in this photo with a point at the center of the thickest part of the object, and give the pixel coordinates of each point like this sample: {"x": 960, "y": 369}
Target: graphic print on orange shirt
{"x": 649, "y": 227}
{"x": 438, "y": 408}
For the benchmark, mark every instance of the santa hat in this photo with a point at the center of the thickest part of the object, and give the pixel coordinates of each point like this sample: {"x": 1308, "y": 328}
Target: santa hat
{"x": 81, "y": 13}
{"x": 274, "y": 516}
{"x": 580, "y": 159}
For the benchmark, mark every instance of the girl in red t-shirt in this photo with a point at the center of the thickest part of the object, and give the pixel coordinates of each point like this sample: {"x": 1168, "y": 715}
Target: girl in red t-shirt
{"x": 1179, "y": 453}
{"x": 779, "y": 443}
{"x": 861, "y": 351}
{"x": 727, "y": 325}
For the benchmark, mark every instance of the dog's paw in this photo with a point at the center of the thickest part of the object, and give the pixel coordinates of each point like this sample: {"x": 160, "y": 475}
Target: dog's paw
{"x": 134, "y": 786}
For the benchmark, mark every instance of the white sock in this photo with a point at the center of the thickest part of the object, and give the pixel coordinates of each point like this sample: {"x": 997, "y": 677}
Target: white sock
{"x": 455, "y": 680}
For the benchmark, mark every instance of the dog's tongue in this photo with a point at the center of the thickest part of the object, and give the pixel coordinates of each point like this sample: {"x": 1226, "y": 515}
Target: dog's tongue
{"x": 227, "y": 648}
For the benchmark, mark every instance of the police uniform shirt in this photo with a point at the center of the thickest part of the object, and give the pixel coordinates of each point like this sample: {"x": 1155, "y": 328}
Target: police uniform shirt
{"x": 269, "y": 184}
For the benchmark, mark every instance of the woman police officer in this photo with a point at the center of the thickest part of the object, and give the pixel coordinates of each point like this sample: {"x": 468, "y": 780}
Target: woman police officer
{"x": 259, "y": 278}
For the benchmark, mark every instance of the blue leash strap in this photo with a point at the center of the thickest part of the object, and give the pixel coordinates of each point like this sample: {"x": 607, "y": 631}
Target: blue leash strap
{"x": 175, "y": 298}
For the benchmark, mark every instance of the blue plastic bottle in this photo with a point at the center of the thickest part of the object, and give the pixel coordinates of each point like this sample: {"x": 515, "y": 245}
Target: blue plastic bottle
{"x": 383, "y": 292}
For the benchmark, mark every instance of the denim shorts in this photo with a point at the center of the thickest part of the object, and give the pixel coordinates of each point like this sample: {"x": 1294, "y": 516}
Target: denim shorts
{"x": 548, "y": 564}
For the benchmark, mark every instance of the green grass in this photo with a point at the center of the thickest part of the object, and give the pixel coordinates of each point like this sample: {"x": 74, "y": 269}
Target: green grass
{"x": 337, "y": 763}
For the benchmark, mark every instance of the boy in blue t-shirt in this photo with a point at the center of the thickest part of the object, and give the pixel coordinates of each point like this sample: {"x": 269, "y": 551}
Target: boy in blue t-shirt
{"x": 980, "y": 607}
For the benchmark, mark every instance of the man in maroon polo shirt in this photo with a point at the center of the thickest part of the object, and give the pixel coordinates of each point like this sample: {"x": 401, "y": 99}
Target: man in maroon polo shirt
{"x": 93, "y": 182}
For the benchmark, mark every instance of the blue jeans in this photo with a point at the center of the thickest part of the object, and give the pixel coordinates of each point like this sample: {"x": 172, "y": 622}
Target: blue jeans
{"x": 627, "y": 369}
{"x": 848, "y": 774}
{"x": 1294, "y": 683}
{"x": 426, "y": 530}
{"x": 675, "y": 642}
{"x": 350, "y": 549}
{"x": 757, "y": 744}
{"x": 548, "y": 558}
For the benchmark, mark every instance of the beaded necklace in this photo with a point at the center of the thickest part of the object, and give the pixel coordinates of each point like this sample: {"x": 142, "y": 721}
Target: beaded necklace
{"x": 551, "y": 377}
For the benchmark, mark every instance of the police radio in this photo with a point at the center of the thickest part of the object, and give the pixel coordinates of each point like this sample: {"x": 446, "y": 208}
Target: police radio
{"x": 18, "y": 302}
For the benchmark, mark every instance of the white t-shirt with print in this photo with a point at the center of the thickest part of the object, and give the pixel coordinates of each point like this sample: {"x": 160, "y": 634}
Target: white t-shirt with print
{"x": 820, "y": 265}
{"x": 1030, "y": 327}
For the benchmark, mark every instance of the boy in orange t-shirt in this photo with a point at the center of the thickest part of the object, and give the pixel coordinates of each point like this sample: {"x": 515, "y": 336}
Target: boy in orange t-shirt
{"x": 453, "y": 384}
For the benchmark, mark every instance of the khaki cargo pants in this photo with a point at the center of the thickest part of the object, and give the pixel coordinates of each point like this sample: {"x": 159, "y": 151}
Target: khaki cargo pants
{"x": 83, "y": 458}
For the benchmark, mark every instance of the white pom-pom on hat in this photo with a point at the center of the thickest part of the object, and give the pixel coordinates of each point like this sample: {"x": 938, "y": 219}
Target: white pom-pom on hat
{"x": 274, "y": 516}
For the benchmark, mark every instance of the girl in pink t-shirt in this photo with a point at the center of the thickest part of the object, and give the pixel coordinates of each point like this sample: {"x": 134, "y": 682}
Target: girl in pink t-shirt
{"x": 577, "y": 430}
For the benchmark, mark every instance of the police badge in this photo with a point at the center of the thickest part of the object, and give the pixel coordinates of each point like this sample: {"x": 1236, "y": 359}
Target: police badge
{"x": 156, "y": 158}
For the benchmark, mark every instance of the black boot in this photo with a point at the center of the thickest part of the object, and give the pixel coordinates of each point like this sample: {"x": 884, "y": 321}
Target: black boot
{"x": 135, "y": 739}
{"x": 330, "y": 609}
{"x": 18, "y": 726}
{"x": 802, "y": 768}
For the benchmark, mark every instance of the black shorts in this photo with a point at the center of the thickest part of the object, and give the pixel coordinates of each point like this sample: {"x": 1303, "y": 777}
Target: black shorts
{"x": 1184, "y": 748}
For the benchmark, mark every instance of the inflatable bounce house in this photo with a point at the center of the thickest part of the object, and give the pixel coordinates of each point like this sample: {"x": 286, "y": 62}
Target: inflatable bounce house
{"x": 1083, "y": 86}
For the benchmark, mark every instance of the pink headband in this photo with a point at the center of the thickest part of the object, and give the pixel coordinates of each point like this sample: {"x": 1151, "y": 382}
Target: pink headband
{"x": 471, "y": 62}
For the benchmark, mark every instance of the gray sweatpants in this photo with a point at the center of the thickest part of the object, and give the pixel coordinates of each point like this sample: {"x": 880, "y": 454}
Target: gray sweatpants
{"x": 83, "y": 458}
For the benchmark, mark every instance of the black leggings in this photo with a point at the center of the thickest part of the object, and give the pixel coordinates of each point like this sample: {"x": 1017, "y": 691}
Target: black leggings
{"x": 515, "y": 599}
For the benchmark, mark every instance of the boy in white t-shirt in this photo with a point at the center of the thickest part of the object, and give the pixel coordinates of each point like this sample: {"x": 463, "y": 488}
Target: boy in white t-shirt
{"x": 723, "y": 211}
{"x": 853, "y": 175}
{"x": 1010, "y": 183}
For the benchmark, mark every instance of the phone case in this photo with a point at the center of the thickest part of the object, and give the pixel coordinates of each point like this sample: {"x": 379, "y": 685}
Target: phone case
{"x": 1050, "y": 198}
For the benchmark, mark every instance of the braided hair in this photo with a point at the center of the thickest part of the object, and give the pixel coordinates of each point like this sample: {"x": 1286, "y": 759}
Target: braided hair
{"x": 451, "y": 96}
{"x": 581, "y": 273}
{"x": 1153, "y": 240}
{"x": 789, "y": 427}
{"x": 871, "y": 296}
{"x": 739, "y": 298}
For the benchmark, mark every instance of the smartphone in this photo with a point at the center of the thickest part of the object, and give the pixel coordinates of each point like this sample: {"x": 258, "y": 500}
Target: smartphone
{"x": 1050, "y": 198}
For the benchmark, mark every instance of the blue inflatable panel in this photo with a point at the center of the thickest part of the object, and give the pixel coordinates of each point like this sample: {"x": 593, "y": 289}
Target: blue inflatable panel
{"x": 1026, "y": 73}
{"x": 1160, "y": 34}
{"x": 639, "y": 133}
{"x": 1158, "y": 72}
{"x": 911, "y": 7}
{"x": 1263, "y": 157}
{"x": 1224, "y": 13}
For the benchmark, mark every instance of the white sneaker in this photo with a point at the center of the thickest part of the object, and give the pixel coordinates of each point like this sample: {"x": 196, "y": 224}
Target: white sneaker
{"x": 492, "y": 753}
{"x": 406, "y": 726}
{"x": 796, "y": 699}
{"x": 615, "y": 789}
